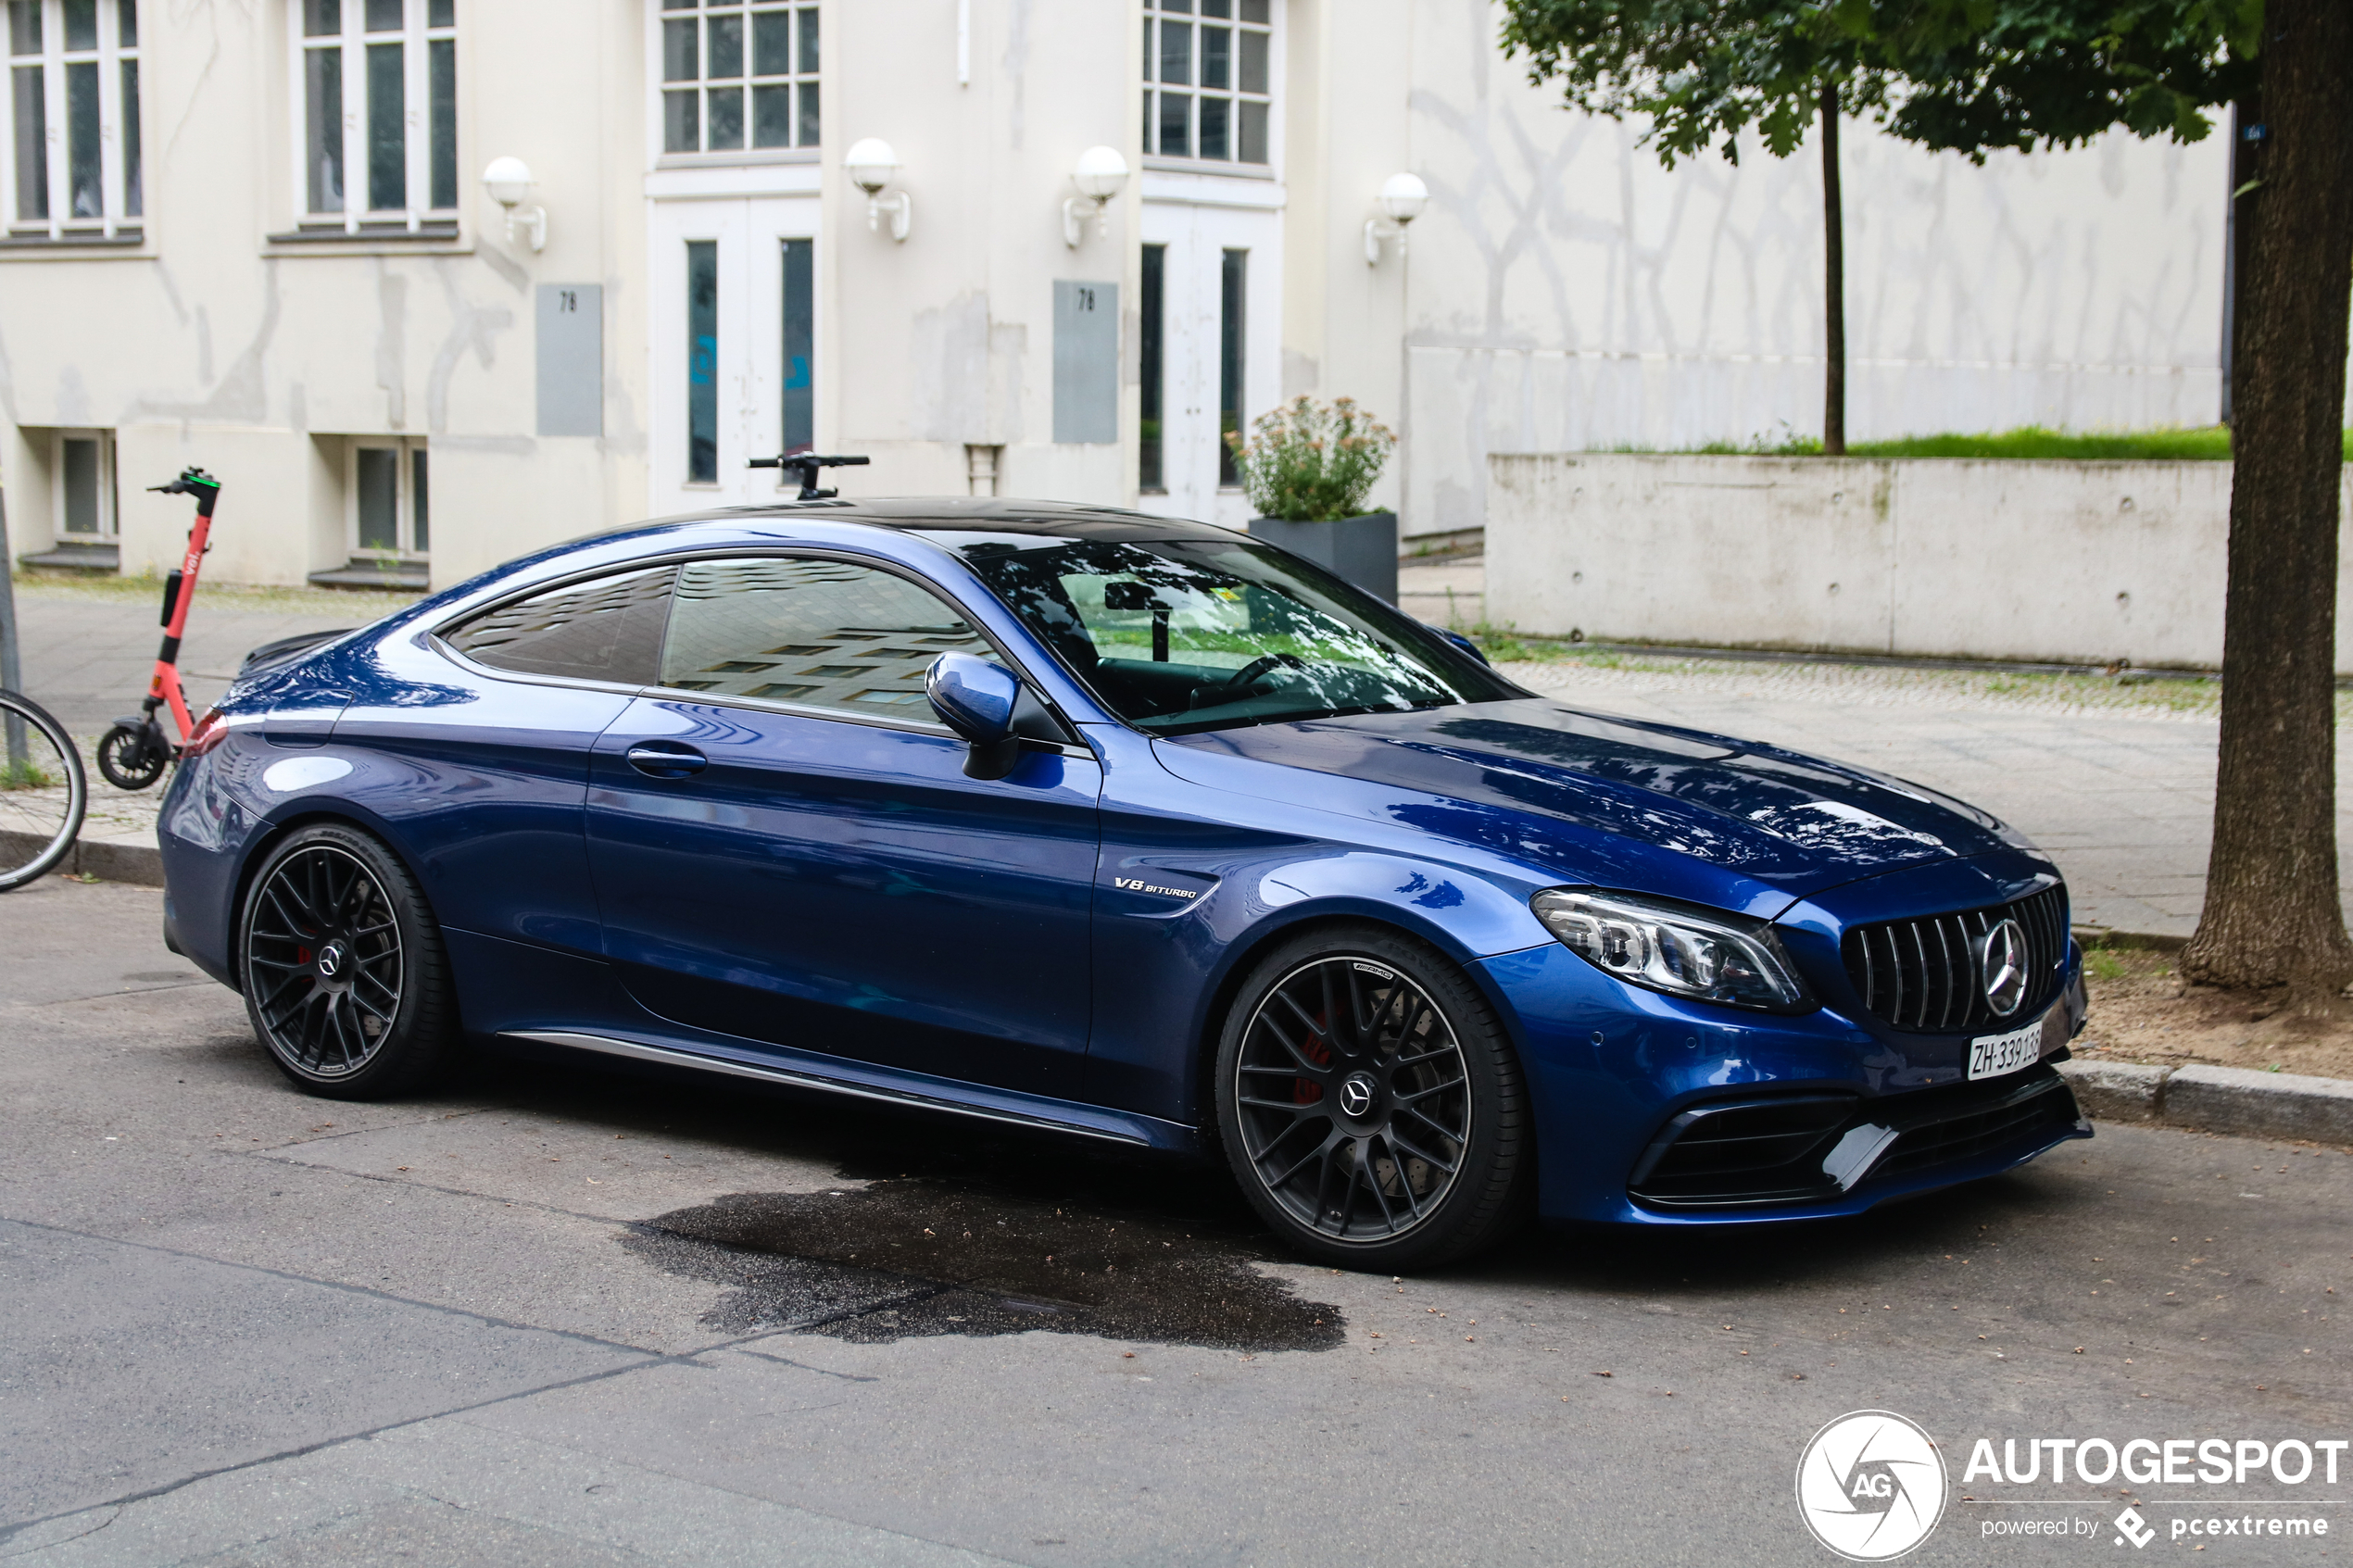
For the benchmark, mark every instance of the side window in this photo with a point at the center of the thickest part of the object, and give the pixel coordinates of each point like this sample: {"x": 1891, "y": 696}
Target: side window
{"x": 816, "y": 633}
{"x": 608, "y": 629}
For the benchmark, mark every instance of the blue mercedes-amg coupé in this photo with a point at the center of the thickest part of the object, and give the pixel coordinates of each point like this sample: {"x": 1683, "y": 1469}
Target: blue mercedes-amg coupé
{"x": 1127, "y": 829}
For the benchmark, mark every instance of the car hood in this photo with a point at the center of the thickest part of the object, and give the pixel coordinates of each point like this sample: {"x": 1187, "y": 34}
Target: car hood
{"x": 1618, "y": 801}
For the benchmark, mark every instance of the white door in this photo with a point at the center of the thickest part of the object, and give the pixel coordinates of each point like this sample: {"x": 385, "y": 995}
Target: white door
{"x": 1221, "y": 328}
{"x": 736, "y": 360}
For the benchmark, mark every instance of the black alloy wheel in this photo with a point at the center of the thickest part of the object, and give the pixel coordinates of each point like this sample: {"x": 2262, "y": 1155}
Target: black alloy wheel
{"x": 345, "y": 978}
{"x": 1370, "y": 1104}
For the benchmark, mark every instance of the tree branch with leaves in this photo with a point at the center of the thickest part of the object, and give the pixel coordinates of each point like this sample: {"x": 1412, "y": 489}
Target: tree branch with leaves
{"x": 1704, "y": 74}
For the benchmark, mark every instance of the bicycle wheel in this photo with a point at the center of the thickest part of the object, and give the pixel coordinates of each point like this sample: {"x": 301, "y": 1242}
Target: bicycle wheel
{"x": 43, "y": 792}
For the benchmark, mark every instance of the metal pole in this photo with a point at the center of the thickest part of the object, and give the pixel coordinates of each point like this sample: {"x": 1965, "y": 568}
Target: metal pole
{"x": 11, "y": 670}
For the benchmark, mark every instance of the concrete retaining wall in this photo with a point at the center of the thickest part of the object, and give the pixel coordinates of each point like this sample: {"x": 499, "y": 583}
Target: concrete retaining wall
{"x": 2079, "y": 563}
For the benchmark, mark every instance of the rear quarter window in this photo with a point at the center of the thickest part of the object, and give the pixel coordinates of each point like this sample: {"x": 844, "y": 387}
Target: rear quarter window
{"x": 607, "y": 630}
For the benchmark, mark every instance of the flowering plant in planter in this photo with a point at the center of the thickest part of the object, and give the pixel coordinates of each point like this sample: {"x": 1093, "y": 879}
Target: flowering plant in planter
{"x": 1306, "y": 462}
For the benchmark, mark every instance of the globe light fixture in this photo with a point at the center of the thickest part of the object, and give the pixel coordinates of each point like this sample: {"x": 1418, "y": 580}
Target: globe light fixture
{"x": 870, "y": 164}
{"x": 1401, "y": 198}
{"x": 509, "y": 182}
{"x": 1100, "y": 174}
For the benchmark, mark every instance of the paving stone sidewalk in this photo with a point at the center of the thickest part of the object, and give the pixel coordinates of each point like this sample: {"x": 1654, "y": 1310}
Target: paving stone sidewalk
{"x": 87, "y": 657}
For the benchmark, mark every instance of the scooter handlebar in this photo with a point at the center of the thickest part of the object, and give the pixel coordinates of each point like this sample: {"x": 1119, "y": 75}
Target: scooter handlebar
{"x": 193, "y": 481}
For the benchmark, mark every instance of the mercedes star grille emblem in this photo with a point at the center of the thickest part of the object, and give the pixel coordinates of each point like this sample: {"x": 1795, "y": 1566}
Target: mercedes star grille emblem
{"x": 2001, "y": 967}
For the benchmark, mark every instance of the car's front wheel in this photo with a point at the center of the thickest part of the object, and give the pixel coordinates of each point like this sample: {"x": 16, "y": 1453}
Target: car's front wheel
{"x": 344, "y": 977}
{"x": 1371, "y": 1103}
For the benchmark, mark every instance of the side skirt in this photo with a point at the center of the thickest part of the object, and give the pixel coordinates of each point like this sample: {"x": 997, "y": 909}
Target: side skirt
{"x": 609, "y": 1046}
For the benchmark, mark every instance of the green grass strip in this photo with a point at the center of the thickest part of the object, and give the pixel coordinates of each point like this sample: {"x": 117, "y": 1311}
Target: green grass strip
{"x": 2210, "y": 443}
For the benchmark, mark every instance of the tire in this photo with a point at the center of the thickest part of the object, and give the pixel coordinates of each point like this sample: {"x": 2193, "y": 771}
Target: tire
{"x": 345, "y": 979}
{"x": 43, "y": 792}
{"x": 132, "y": 755}
{"x": 1367, "y": 1188}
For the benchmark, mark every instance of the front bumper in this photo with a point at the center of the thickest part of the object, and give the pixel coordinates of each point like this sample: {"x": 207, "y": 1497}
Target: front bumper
{"x": 1844, "y": 1115}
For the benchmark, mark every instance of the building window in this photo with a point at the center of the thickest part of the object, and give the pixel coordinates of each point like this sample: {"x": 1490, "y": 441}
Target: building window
{"x": 378, "y": 94}
{"x": 736, "y": 75}
{"x": 1149, "y": 477}
{"x": 73, "y": 119}
{"x": 702, "y": 361}
{"x": 1232, "y": 340}
{"x": 84, "y": 489}
{"x": 801, "y": 345}
{"x": 1208, "y": 77}
{"x": 389, "y": 499}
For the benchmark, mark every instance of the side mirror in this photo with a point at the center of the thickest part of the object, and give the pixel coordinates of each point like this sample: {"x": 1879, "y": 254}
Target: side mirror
{"x": 982, "y": 702}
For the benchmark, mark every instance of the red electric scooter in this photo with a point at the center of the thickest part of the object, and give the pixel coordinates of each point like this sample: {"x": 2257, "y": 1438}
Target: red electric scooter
{"x": 135, "y": 752}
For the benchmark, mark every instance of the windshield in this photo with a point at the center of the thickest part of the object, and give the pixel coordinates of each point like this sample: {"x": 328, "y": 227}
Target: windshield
{"x": 1184, "y": 634}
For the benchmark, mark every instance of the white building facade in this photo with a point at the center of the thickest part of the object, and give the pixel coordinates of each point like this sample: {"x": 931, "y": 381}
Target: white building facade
{"x": 256, "y": 238}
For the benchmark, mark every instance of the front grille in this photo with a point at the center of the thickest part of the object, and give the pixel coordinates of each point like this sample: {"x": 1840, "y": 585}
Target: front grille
{"x": 1920, "y": 975}
{"x": 1811, "y": 1147}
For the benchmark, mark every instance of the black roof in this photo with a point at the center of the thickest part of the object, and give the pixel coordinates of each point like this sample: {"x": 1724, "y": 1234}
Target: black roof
{"x": 988, "y": 514}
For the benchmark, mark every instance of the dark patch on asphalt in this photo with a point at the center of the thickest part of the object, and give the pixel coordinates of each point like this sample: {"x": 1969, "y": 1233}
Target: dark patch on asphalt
{"x": 912, "y": 1256}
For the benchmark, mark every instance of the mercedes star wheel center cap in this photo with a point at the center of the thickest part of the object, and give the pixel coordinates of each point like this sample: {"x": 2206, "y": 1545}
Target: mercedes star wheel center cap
{"x": 330, "y": 960}
{"x": 2001, "y": 965}
{"x": 1356, "y": 1093}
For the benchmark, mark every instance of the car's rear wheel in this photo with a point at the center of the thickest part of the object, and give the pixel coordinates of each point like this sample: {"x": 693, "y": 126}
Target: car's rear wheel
{"x": 1371, "y": 1103}
{"x": 344, "y": 977}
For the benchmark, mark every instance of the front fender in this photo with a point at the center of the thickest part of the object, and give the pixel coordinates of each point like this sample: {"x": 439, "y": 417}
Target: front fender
{"x": 1193, "y": 885}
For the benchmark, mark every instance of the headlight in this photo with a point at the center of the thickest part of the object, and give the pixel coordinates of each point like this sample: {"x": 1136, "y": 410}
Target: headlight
{"x": 1678, "y": 949}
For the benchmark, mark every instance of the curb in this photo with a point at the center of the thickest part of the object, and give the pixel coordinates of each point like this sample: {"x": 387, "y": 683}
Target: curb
{"x": 110, "y": 860}
{"x": 2216, "y": 1100}
{"x": 2153, "y": 941}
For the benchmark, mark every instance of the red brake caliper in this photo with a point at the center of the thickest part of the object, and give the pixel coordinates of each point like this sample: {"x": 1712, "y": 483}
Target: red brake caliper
{"x": 1306, "y": 1091}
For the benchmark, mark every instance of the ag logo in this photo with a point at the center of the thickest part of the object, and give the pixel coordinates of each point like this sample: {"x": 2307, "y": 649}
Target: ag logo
{"x": 1870, "y": 1485}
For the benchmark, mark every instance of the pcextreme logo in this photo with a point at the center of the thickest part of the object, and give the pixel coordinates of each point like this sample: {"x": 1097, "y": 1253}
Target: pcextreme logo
{"x": 1870, "y": 1485}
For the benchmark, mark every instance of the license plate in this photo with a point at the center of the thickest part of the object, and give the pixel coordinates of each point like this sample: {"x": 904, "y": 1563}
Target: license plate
{"x": 1991, "y": 1056}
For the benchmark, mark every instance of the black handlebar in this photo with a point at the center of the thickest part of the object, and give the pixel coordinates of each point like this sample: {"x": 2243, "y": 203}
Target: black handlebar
{"x": 806, "y": 464}
{"x": 193, "y": 481}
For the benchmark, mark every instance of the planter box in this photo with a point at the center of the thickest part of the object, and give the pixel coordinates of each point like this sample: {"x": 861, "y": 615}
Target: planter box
{"x": 2067, "y": 562}
{"x": 1362, "y": 550}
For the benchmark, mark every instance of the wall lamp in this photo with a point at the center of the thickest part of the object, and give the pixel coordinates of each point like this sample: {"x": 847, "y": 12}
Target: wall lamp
{"x": 1402, "y": 196}
{"x": 509, "y": 182}
{"x": 1099, "y": 175}
{"x": 870, "y": 164}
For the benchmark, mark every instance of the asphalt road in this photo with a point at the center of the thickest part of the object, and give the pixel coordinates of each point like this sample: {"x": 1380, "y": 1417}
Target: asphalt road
{"x": 556, "y": 1316}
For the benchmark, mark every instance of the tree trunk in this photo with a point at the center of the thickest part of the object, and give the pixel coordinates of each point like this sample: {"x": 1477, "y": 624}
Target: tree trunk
{"x": 2273, "y": 914}
{"x": 1834, "y": 285}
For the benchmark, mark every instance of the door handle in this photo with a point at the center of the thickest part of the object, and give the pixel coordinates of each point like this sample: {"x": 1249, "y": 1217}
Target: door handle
{"x": 671, "y": 761}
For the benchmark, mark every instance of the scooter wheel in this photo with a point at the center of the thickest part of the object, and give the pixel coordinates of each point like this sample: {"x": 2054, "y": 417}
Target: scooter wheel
{"x": 132, "y": 755}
